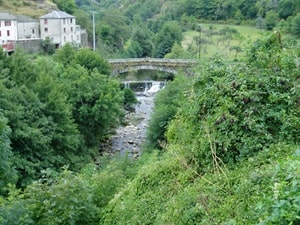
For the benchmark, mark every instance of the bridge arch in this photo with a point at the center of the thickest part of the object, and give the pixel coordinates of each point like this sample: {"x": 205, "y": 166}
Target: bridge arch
{"x": 172, "y": 66}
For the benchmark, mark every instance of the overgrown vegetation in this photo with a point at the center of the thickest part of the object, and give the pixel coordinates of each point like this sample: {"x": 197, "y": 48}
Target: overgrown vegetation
{"x": 150, "y": 29}
{"x": 166, "y": 105}
{"x": 132, "y": 17}
{"x": 56, "y": 110}
{"x": 241, "y": 107}
{"x": 230, "y": 156}
{"x": 222, "y": 146}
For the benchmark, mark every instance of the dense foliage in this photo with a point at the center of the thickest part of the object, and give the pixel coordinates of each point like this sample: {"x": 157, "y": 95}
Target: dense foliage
{"x": 117, "y": 22}
{"x": 231, "y": 155}
{"x": 166, "y": 105}
{"x": 57, "y": 111}
{"x": 118, "y": 32}
{"x": 7, "y": 172}
{"x": 240, "y": 107}
{"x": 228, "y": 136}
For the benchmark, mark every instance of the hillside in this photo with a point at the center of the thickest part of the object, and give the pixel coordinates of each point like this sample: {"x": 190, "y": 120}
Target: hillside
{"x": 222, "y": 146}
{"x": 229, "y": 156}
{"x": 33, "y": 8}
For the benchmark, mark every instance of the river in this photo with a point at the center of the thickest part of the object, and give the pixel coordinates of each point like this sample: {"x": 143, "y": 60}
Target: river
{"x": 129, "y": 139}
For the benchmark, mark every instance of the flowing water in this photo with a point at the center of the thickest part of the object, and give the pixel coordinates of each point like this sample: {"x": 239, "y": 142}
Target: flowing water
{"x": 130, "y": 138}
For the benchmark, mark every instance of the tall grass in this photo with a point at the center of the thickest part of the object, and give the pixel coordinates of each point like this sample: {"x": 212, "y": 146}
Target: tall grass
{"x": 225, "y": 40}
{"x": 29, "y": 7}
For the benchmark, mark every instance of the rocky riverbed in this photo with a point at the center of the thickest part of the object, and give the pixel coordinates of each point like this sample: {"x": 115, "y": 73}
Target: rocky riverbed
{"x": 130, "y": 138}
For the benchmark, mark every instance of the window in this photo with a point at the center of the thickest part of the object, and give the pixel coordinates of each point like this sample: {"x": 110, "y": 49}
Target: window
{"x": 71, "y": 20}
{"x": 65, "y": 30}
{"x": 8, "y": 33}
{"x": 71, "y": 29}
{"x": 46, "y": 30}
{"x": 45, "y": 21}
{"x": 72, "y": 37}
{"x": 65, "y": 38}
{"x": 33, "y": 31}
{"x": 7, "y": 23}
{"x": 64, "y": 21}
{"x": 0, "y": 33}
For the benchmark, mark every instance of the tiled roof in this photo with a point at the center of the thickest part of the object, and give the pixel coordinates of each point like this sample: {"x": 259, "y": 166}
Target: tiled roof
{"x": 7, "y": 16}
{"x": 25, "y": 19}
{"x": 57, "y": 15}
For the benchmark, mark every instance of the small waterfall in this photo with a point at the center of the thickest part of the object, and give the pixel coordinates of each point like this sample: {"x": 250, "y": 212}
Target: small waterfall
{"x": 130, "y": 138}
{"x": 147, "y": 86}
{"x": 156, "y": 86}
{"x": 126, "y": 84}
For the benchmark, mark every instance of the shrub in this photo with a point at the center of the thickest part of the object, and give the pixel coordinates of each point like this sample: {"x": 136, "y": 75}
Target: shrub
{"x": 129, "y": 98}
{"x": 235, "y": 110}
{"x": 296, "y": 25}
{"x": 283, "y": 206}
{"x": 166, "y": 104}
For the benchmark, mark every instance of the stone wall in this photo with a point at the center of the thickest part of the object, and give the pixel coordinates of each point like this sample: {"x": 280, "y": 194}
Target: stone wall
{"x": 30, "y": 45}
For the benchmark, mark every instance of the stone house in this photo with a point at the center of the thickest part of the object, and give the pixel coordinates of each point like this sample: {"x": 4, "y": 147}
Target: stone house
{"x": 28, "y": 28}
{"x": 60, "y": 28}
{"x": 27, "y": 33}
{"x": 8, "y": 28}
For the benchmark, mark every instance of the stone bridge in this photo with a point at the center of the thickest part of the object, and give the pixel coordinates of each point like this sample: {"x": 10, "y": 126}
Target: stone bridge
{"x": 167, "y": 65}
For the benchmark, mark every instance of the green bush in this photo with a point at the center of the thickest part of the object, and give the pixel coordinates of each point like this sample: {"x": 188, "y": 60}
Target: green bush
{"x": 235, "y": 110}
{"x": 68, "y": 197}
{"x": 57, "y": 112}
{"x": 296, "y": 25}
{"x": 165, "y": 107}
{"x": 283, "y": 206}
{"x": 7, "y": 171}
{"x": 143, "y": 199}
{"x": 129, "y": 98}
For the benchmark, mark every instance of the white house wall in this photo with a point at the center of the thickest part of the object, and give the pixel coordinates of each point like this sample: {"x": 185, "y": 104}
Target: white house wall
{"x": 8, "y": 33}
{"x": 68, "y": 30}
{"x": 28, "y": 30}
{"x": 59, "y": 31}
{"x": 51, "y": 29}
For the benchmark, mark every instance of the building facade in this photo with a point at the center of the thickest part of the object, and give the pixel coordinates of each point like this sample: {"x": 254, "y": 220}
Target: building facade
{"x": 60, "y": 28}
{"x": 8, "y": 28}
{"x": 25, "y": 32}
{"x": 28, "y": 28}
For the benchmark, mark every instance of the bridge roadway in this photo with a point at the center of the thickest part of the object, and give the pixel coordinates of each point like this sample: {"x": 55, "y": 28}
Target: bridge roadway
{"x": 168, "y": 65}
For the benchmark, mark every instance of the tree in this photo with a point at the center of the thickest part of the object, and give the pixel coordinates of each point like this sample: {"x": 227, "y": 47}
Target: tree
{"x": 134, "y": 50}
{"x": 92, "y": 61}
{"x": 247, "y": 8}
{"x": 129, "y": 99}
{"x": 65, "y": 55}
{"x": 177, "y": 52}
{"x": 113, "y": 29}
{"x": 204, "y": 9}
{"x": 165, "y": 39}
{"x": 229, "y": 115}
{"x": 271, "y": 19}
{"x": 296, "y": 25}
{"x": 97, "y": 103}
{"x": 68, "y": 6}
{"x": 20, "y": 69}
{"x": 83, "y": 19}
{"x": 7, "y": 170}
{"x": 166, "y": 105}
{"x": 142, "y": 41}
{"x": 48, "y": 46}
{"x": 260, "y": 23}
{"x": 286, "y": 8}
{"x": 43, "y": 133}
